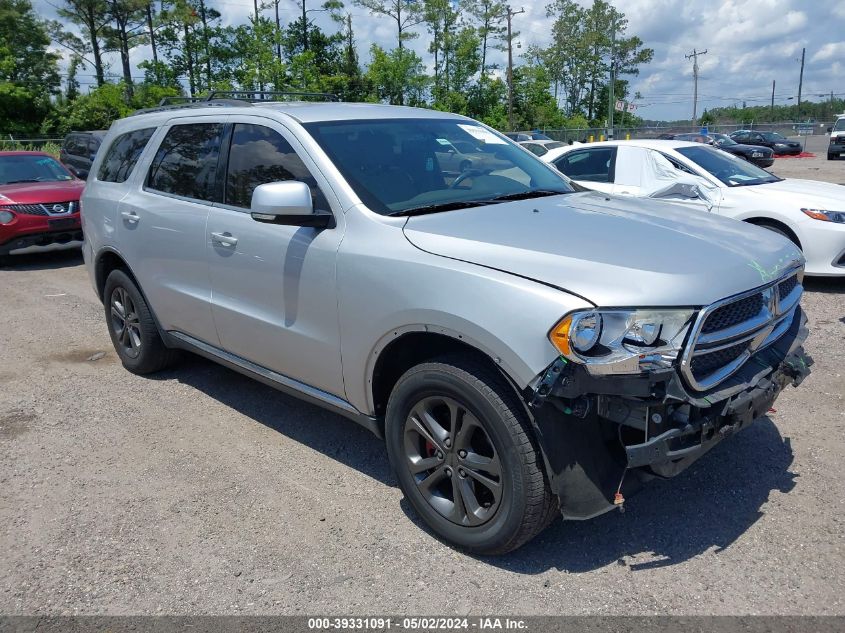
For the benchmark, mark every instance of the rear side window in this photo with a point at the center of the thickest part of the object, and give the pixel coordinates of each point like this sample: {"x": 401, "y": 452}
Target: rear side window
{"x": 123, "y": 153}
{"x": 186, "y": 162}
{"x": 74, "y": 145}
{"x": 259, "y": 155}
{"x": 594, "y": 165}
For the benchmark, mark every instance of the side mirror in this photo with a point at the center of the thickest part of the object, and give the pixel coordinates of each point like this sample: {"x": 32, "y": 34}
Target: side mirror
{"x": 829, "y": 130}
{"x": 288, "y": 203}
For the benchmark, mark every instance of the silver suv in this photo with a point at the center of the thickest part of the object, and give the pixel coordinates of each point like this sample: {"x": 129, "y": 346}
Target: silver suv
{"x": 524, "y": 347}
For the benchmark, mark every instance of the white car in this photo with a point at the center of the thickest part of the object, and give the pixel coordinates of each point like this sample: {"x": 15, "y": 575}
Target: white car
{"x": 808, "y": 212}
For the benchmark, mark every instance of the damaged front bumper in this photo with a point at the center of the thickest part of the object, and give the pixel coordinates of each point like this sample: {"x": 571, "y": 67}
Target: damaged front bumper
{"x": 603, "y": 436}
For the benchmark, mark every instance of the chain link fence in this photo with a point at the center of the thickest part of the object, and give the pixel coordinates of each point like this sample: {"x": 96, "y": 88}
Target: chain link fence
{"x": 586, "y": 135}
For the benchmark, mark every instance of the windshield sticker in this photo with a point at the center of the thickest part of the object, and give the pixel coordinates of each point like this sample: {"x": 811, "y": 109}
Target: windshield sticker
{"x": 482, "y": 134}
{"x": 443, "y": 141}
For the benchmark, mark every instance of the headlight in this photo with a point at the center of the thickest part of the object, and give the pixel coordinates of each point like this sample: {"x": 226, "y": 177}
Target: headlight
{"x": 622, "y": 341}
{"x": 6, "y": 217}
{"x": 826, "y": 216}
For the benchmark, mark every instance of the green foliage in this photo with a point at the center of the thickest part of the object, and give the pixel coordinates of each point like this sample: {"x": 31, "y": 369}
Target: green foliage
{"x": 98, "y": 109}
{"x": 397, "y": 76}
{"x": 193, "y": 51}
{"x": 28, "y": 72}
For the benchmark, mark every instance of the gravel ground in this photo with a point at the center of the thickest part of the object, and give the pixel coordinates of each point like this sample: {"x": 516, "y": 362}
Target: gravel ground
{"x": 817, "y": 168}
{"x": 199, "y": 491}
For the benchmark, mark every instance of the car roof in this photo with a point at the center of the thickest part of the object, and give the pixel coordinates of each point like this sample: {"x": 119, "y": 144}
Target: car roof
{"x": 302, "y": 111}
{"x": 97, "y": 133}
{"x": 658, "y": 143}
{"x": 15, "y": 152}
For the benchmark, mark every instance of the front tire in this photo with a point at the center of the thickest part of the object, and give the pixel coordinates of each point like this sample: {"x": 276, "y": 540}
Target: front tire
{"x": 132, "y": 328}
{"x": 460, "y": 444}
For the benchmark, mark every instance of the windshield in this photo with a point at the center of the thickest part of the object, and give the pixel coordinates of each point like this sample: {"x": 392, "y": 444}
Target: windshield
{"x": 729, "y": 169}
{"x": 773, "y": 136}
{"x": 398, "y": 165}
{"x": 840, "y": 125}
{"x": 31, "y": 168}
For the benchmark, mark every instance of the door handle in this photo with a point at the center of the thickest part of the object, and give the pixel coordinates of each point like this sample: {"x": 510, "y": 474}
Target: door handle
{"x": 224, "y": 239}
{"x": 130, "y": 216}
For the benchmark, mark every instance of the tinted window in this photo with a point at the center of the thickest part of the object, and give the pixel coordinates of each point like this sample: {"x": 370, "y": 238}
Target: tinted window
{"x": 186, "y": 162}
{"x": 75, "y": 145}
{"x": 534, "y": 148}
{"x": 123, "y": 154}
{"x": 595, "y": 165}
{"x": 839, "y": 126}
{"x": 260, "y": 155}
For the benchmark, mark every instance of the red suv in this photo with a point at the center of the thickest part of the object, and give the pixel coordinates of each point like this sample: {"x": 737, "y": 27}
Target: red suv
{"x": 39, "y": 202}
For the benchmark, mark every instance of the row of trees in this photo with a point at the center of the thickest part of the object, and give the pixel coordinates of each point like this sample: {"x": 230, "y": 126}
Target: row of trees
{"x": 192, "y": 52}
{"x": 810, "y": 111}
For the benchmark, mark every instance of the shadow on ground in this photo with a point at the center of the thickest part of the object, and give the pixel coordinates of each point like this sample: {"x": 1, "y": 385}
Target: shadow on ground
{"x": 42, "y": 261}
{"x": 708, "y": 506}
{"x": 834, "y": 285}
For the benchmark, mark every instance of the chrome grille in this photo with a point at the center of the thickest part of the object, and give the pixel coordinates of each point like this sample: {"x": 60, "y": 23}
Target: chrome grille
{"x": 733, "y": 313}
{"x": 728, "y": 332}
{"x": 47, "y": 208}
{"x": 785, "y": 287}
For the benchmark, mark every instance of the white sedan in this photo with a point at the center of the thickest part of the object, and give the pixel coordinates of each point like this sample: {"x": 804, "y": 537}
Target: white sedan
{"x": 808, "y": 212}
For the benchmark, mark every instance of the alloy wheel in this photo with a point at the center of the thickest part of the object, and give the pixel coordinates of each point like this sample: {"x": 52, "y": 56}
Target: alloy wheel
{"x": 126, "y": 323}
{"x": 453, "y": 461}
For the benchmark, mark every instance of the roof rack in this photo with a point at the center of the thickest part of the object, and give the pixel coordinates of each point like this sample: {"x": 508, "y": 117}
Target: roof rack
{"x": 191, "y": 102}
{"x": 231, "y": 98}
{"x": 254, "y": 96}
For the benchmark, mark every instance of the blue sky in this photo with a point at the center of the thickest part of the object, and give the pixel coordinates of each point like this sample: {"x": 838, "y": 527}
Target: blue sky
{"x": 749, "y": 43}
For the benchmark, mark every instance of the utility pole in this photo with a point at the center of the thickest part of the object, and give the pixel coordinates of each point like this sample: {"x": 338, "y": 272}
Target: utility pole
{"x": 510, "y": 15}
{"x": 694, "y": 57}
{"x": 772, "y": 115}
{"x": 801, "y": 83}
{"x": 612, "y": 87}
{"x": 278, "y": 33}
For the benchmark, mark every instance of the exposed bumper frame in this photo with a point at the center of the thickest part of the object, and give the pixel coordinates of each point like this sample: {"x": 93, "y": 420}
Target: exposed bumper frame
{"x": 603, "y": 436}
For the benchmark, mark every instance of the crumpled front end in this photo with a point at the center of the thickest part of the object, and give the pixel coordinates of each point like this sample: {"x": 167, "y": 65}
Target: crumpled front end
{"x": 604, "y": 434}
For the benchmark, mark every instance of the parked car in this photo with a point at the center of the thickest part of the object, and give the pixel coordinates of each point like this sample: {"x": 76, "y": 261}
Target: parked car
{"x": 524, "y": 349}
{"x": 777, "y": 142}
{"x": 79, "y": 149}
{"x": 758, "y": 154}
{"x": 39, "y": 203}
{"x": 837, "y": 139}
{"x": 536, "y": 135}
{"x": 808, "y": 212}
{"x": 461, "y": 156}
{"x": 539, "y": 148}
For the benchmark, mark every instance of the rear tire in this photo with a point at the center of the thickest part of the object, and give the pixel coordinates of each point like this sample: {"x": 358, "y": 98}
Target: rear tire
{"x": 132, "y": 328}
{"x": 460, "y": 444}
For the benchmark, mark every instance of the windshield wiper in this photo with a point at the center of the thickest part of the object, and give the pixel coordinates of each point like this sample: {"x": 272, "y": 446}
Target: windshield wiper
{"x": 14, "y": 182}
{"x": 442, "y": 206}
{"x": 525, "y": 195}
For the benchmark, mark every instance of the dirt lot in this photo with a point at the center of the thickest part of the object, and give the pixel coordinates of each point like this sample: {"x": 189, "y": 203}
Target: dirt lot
{"x": 817, "y": 168}
{"x": 199, "y": 491}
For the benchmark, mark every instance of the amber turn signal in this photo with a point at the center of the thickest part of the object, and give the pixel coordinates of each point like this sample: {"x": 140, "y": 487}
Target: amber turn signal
{"x": 559, "y": 336}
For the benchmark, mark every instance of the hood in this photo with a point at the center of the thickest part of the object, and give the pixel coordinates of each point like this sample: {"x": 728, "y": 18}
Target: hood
{"x": 610, "y": 250}
{"x": 42, "y": 192}
{"x": 804, "y": 193}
